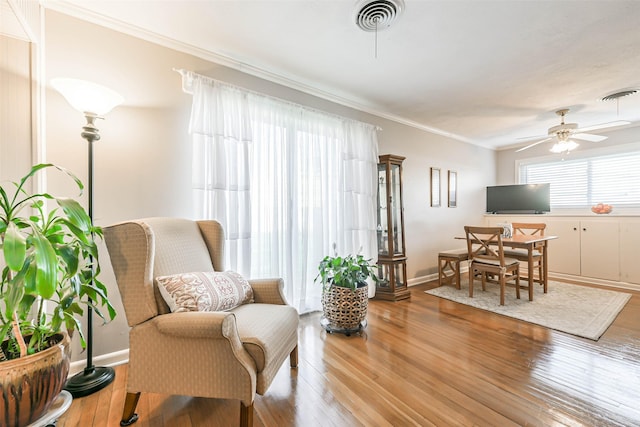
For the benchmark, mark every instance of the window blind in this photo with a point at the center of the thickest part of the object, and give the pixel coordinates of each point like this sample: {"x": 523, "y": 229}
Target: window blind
{"x": 584, "y": 182}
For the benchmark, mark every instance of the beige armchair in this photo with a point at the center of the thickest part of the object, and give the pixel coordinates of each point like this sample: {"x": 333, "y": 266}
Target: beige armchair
{"x": 230, "y": 354}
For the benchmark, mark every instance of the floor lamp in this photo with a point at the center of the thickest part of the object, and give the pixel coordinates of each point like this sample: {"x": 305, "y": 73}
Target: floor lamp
{"x": 92, "y": 100}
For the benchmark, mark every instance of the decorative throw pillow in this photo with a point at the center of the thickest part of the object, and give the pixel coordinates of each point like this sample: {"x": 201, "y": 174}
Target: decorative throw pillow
{"x": 208, "y": 291}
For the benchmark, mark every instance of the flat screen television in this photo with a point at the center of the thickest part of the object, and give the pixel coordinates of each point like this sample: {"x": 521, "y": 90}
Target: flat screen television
{"x": 521, "y": 198}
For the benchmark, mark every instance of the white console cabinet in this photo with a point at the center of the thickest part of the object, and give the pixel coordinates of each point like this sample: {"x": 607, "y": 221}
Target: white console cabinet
{"x": 598, "y": 247}
{"x": 566, "y": 250}
{"x": 630, "y": 251}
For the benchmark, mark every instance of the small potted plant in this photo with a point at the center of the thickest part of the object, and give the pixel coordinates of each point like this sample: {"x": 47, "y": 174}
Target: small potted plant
{"x": 49, "y": 262}
{"x": 345, "y": 294}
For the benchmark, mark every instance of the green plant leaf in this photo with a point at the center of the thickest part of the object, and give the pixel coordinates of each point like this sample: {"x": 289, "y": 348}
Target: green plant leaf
{"x": 76, "y": 214}
{"x": 30, "y": 273}
{"x": 47, "y": 266}
{"x": 14, "y": 247}
{"x": 13, "y": 296}
{"x": 4, "y": 330}
{"x": 70, "y": 256}
{"x": 26, "y": 302}
{"x": 73, "y": 324}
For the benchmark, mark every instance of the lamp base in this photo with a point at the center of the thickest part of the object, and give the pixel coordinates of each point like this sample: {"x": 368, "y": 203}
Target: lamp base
{"x": 89, "y": 381}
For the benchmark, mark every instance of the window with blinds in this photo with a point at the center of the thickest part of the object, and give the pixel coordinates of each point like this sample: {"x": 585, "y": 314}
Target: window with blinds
{"x": 582, "y": 182}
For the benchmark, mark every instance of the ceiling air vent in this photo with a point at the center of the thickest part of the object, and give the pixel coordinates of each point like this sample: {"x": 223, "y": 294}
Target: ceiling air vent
{"x": 618, "y": 95}
{"x": 376, "y": 15}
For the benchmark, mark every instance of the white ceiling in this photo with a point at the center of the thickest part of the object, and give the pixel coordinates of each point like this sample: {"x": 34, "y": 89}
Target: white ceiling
{"x": 485, "y": 72}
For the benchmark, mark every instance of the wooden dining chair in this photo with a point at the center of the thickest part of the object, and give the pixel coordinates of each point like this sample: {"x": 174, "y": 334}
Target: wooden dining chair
{"x": 486, "y": 255}
{"x": 531, "y": 229}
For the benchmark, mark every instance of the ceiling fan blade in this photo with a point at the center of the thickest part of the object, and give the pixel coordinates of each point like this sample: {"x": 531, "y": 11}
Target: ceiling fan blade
{"x": 531, "y": 138}
{"x": 534, "y": 144}
{"x": 603, "y": 126}
{"x": 589, "y": 137}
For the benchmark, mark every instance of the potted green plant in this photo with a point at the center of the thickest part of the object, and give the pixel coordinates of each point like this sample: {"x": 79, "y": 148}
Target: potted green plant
{"x": 49, "y": 263}
{"x": 345, "y": 292}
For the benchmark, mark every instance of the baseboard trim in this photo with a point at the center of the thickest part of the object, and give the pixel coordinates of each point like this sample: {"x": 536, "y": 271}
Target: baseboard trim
{"x": 594, "y": 281}
{"x": 429, "y": 277}
{"x": 110, "y": 359}
{"x": 421, "y": 280}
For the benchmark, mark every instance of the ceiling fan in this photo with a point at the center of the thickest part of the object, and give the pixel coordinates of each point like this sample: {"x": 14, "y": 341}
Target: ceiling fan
{"x": 563, "y": 131}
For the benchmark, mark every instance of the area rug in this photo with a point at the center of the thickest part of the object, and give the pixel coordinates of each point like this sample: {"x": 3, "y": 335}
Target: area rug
{"x": 578, "y": 310}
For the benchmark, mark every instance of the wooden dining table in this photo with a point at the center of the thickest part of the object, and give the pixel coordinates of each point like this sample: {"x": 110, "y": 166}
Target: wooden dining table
{"x": 530, "y": 243}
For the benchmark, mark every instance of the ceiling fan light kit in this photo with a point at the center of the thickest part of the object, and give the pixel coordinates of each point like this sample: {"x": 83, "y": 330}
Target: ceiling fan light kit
{"x": 564, "y": 146}
{"x": 562, "y": 132}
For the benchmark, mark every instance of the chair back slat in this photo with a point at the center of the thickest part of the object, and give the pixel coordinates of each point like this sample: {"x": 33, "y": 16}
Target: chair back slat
{"x": 485, "y": 243}
{"x": 529, "y": 228}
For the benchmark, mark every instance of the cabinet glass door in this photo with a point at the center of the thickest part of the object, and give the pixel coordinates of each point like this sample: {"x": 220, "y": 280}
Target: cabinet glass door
{"x": 383, "y": 229}
{"x": 396, "y": 210}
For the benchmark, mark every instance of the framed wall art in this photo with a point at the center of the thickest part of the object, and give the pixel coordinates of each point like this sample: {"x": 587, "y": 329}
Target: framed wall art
{"x": 453, "y": 189}
{"x": 435, "y": 187}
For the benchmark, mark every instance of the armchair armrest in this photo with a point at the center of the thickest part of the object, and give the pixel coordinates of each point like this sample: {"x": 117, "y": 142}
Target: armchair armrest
{"x": 209, "y": 339}
{"x": 268, "y": 291}
{"x": 216, "y": 325}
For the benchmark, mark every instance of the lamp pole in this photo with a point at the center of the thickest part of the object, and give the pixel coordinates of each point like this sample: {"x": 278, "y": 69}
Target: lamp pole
{"x": 92, "y": 100}
{"x": 92, "y": 378}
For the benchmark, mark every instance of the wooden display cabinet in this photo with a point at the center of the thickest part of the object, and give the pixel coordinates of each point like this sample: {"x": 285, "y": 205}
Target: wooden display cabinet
{"x": 392, "y": 261}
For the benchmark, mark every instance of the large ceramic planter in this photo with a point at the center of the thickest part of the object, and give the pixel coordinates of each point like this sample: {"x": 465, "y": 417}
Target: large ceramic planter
{"x": 345, "y": 310}
{"x": 30, "y": 384}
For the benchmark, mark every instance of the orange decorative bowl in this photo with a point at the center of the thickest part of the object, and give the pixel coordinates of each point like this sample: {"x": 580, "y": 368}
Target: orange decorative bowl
{"x": 601, "y": 208}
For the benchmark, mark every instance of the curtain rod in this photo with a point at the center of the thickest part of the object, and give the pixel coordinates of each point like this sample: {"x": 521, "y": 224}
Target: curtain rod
{"x": 186, "y": 74}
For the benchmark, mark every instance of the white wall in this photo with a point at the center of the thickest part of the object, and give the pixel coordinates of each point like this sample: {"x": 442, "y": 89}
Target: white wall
{"x": 15, "y": 108}
{"x": 142, "y": 163}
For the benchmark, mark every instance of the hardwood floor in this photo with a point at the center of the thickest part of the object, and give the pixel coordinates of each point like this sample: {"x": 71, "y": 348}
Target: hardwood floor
{"x": 423, "y": 362}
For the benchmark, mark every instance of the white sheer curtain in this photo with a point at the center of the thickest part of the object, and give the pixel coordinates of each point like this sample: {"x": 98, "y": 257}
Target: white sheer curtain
{"x": 286, "y": 182}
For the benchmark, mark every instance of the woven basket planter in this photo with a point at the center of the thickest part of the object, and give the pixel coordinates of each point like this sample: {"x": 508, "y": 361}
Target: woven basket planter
{"x": 345, "y": 309}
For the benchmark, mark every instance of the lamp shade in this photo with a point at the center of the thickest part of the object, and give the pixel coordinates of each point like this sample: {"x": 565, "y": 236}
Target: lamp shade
{"x": 87, "y": 97}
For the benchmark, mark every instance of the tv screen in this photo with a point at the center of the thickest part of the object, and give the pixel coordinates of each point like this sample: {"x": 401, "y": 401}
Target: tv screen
{"x": 522, "y": 198}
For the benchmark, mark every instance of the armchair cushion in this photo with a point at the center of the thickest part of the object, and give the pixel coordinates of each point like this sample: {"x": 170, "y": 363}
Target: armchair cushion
{"x": 204, "y": 291}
